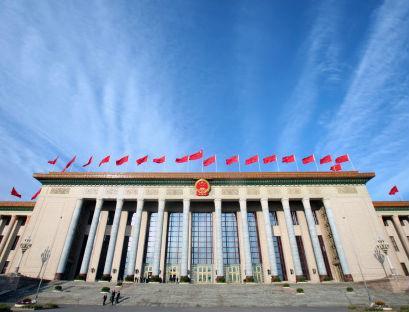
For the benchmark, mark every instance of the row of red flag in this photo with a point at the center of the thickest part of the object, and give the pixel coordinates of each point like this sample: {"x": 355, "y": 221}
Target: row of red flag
{"x": 212, "y": 159}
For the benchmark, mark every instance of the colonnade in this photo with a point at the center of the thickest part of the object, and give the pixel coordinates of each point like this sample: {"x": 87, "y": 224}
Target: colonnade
{"x": 131, "y": 263}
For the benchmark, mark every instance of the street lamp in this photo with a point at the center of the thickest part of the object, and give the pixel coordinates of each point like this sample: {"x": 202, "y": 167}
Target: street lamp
{"x": 45, "y": 255}
{"x": 380, "y": 256}
{"x": 384, "y": 247}
{"x": 25, "y": 245}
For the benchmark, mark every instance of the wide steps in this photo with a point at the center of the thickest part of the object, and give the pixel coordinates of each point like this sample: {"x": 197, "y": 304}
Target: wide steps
{"x": 227, "y": 295}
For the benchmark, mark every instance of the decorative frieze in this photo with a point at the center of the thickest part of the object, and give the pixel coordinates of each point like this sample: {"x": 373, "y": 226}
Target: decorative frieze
{"x": 346, "y": 189}
{"x": 253, "y": 191}
{"x": 91, "y": 191}
{"x": 230, "y": 191}
{"x": 151, "y": 191}
{"x": 131, "y": 191}
{"x": 174, "y": 192}
{"x": 294, "y": 191}
{"x": 314, "y": 191}
{"x": 60, "y": 190}
{"x": 274, "y": 191}
{"x": 111, "y": 191}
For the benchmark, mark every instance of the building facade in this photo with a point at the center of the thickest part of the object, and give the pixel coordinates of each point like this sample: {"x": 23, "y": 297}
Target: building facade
{"x": 234, "y": 227}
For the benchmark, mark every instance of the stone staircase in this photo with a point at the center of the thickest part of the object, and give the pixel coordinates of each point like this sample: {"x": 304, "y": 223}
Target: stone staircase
{"x": 221, "y": 295}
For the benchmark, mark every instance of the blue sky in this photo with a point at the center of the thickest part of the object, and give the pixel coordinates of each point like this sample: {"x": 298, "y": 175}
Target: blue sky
{"x": 232, "y": 77}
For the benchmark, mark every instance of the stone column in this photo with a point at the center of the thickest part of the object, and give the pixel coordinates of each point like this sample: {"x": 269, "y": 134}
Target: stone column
{"x": 112, "y": 240}
{"x": 246, "y": 239}
{"x": 158, "y": 242}
{"x": 130, "y": 270}
{"x": 90, "y": 240}
{"x": 291, "y": 237}
{"x": 337, "y": 241}
{"x": 219, "y": 239}
{"x": 185, "y": 238}
{"x": 69, "y": 239}
{"x": 270, "y": 244}
{"x": 401, "y": 234}
{"x": 7, "y": 234}
{"x": 322, "y": 271}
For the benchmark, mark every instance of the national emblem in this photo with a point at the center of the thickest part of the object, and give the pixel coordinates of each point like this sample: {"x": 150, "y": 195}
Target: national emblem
{"x": 202, "y": 187}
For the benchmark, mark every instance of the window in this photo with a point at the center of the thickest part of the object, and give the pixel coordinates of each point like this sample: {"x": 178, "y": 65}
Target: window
{"x": 6, "y": 264}
{"x": 273, "y": 217}
{"x": 174, "y": 243}
{"x": 129, "y": 218}
{"x": 385, "y": 221}
{"x": 8, "y": 218}
{"x": 231, "y": 253}
{"x": 202, "y": 238}
{"x": 15, "y": 243}
{"x": 111, "y": 214}
{"x": 405, "y": 269}
{"x": 314, "y": 214}
{"x": 303, "y": 258}
{"x": 90, "y": 216}
{"x": 395, "y": 245}
{"x": 23, "y": 220}
{"x": 279, "y": 255}
{"x": 151, "y": 239}
{"x": 1, "y": 238}
{"x": 253, "y": 237}
{"x": 294, "y": 217}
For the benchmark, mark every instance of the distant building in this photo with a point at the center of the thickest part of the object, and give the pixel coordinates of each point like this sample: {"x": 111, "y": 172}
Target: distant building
{"x": 206, "y": 227}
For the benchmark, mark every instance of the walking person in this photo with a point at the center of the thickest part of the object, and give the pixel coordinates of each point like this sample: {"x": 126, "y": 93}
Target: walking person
{"x": 112, "y": 297}
{"x": 118, "y": 294}
{"x": 104, "y": 299}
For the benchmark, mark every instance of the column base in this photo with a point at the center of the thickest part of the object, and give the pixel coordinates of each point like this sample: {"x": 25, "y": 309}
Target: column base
{"x": 249, "y": 279}
{"x": 348, "y": 278}
{"x": 130, "y": 278}
{"x": 184, "y": 279}
{"x": 325, "y": 278}
{"x": 275, "y": 279}
{"x": 300, "y": 278}
{"x": 58, "y": 276}
{"x": 82, "y": 276}
{"x": 106, "y": 277}
{"x": 220, "y": 279}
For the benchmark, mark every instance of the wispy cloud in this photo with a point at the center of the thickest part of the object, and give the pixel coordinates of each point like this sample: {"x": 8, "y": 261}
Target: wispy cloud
{"x": 372, "y": 123}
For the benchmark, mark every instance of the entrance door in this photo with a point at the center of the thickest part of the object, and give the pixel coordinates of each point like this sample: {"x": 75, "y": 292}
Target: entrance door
{"x": 172, "y": 273}
{"x": 204, "y": 274}
{"x": 232, "y": 273}
{"x": 258, "y": 273}
{"x": 147, "y": 272}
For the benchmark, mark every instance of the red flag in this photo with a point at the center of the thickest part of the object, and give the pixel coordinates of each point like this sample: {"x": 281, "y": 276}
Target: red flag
{"x": 325, "y": 159}
{"x": 53, "y": 162}
{"x": 336, "y": 167}
{"x": 308, "y": 159}
{"x": 251, "y": 160}
{"x": 159, "y": 160}
{"x": 209, "y": 160}
{"x": 69, "y": 163}
{"x": 15, "y": 193}
{"x": 182, "y": 159}
{"x": 269, "y": 159}
{"x": 289, "y": 159}
{"x": 342, "y": 159}
{"x": 36, "y": 194}
{"x": 104, "y": 160}
{"x": 122, "y": 160}
{"x": 88, "y": 162}
{"x": 393, "y": 190}
{"x": 232, "y": 160}
{"x": 196, "y": 156}
{"x": 141, "y": 160}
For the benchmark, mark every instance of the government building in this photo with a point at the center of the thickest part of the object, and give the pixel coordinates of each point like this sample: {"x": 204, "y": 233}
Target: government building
{"x": 233, "y": 227}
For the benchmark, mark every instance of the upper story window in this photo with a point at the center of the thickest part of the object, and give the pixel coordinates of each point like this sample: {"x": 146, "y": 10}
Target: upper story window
{"x": 385, "y": 221}
{"x": 111, "y": 214}
{"x": 314, "y": 214}
{"x": 15, "y": 243}
{"x": 273, "y": 217}
{"x": 395, "y": 245}
{"x": 294, "y": 217}
{"x": 129, "y": 218}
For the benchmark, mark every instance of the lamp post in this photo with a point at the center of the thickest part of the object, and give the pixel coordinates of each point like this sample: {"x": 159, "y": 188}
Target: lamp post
{"x": 384, "y": 247}
{"x": 45, "y": 255}
{"x": 380, "y": 256}
{"x": 25, "y": 245}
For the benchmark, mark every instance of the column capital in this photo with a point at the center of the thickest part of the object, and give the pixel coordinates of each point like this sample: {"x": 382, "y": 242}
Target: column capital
{"x": 306, "y": 201}
{"x": 140, "y": 200}
{"x": 285, "y": 199}
{"x": 218, "y": 200}
{"x": 242, "y": 199}
{"x": 186, "y": 200}
{"x": 264, "y": 200}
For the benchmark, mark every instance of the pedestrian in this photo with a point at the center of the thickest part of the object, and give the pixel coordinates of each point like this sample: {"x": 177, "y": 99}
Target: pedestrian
{"x": 118, "y": 294}
{"x": 104, "y": 299}
{"x": 112, "y": 297}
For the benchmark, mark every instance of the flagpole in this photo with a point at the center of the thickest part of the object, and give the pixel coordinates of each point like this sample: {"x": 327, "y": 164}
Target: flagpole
{"x": 187, "y": 164}
{"x": 238, "y": 157}
{"x": 353, "y": 167}
{"x": 315, "y": 162}
{"x": 258, "y": 161}
{"x": 296, "y": 164}
{"x": 278, "y": 167}
{"x": 216, "y": 161}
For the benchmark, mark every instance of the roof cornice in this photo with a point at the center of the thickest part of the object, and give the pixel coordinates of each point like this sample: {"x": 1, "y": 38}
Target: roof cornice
{"x": 17, "y": 205}
{"x": 216, "y": 178}
{"x": 391, "y": 205}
